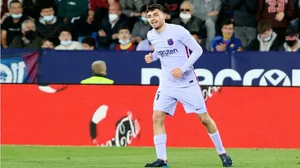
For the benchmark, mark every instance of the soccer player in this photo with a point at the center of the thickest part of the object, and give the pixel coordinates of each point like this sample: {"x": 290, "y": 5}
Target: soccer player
{"x": 179, "y": 83}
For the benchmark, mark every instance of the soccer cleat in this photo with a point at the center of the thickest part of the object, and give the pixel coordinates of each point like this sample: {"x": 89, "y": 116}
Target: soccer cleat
{"x": 158, "y": 163}
{"x": 226, "y": 160}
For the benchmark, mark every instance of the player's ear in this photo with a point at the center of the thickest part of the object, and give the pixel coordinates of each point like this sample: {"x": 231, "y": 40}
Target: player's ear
{"x": 165, "y": 15}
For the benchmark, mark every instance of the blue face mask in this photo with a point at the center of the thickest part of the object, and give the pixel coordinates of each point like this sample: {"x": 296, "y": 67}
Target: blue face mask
{"x": 124, "y": 42}
{"x": 48, "y": 18}
{"x": 16, "y": 16}
{"x": 144, "y": 19}
{"x": 65, "y": 43}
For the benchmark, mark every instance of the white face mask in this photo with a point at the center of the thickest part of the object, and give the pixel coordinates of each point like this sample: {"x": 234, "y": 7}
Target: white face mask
{"x": 113, "y": 17}
{"x": 48, "y": 18}
{"x": 124, "y": 42}
{"x": 185, "y": 16}
{"x": 144, "y": 19}
{"x": 65, "y": 43}
{"x": 267, "y": 39}
{"x": 16, "y": 16}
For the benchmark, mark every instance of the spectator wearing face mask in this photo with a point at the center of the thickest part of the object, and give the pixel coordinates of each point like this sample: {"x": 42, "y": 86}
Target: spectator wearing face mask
{"x": 48, "y": 24}
{"x": 11, "y": 26}
{"x": 124, "y": 40}
{"x": 186, "y": 18}
{"x": 29, "y": 38}
{"x": 109, "y": 26}
{"x": 292, "y": 41}
{"x": 66, "y": 42}
{"x": 141, "y": 27}
{"x": 266, "y": 40}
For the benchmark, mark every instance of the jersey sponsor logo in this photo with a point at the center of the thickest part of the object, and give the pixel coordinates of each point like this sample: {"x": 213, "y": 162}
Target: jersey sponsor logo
{"x": 164, "y": 53}
{"x": 253, "y": 77}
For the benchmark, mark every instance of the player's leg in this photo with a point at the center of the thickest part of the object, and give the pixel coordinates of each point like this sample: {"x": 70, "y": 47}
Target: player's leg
{"x": 164, "y": 104}
{"x": 193, "y": 102}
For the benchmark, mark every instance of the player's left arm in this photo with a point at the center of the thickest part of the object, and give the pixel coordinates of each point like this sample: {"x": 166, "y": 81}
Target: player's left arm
{"x": 188, "y": 40}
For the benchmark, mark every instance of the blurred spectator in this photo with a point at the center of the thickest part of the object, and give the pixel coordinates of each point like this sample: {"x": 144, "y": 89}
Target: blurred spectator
{"x": 99, "y": 74}
{"x": 267, "y": 39}
{"x": 208, "y": 10}
{"x": 98, "y": 9}
{"x": 88, "y": 43}
{"x": 279, "y": 12}
{"x": 11, "y": 26}
{"x": 30, "y": 39}
{"x": 172, "y": 8}
{"x": 48, "y": 24}
{"x": 292, "y": 41}
{"x": 244, "y": 20}
{"x": 124, "y": 37}
{"x": 296, "y": 22}
{"x": 66, "y": 42}
{"x": 198, "y": 39}
{"x": 32, "y": 7}
{"x": 4, "y": 8}
{"x": 227, "y": 42}
{"x": 141, "y": 27}
{"x": 109, "y": 26}
{"x": 144, "y": 45}
{"x": 132, "y": 9}
{"x": 47, "y": 43}
{"x": 186, "y": 18}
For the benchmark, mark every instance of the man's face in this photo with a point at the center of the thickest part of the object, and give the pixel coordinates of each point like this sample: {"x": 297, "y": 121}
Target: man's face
{"x": 291, "y": 37}
{"x": 227, "y": 30}
{"x": 47, "y": 12}
{"x": 28, "y": 27}
{"x": 15, "y": 8}
{"x": 156, "y": 18}
{"x": 266, "y": 34}
{"x": 114, "y": 9}
{"x": 85, "y": 46}
{"x": 124, "y": 34}
{"x": 186, "y": 8}
{"x": 48, "y": 44}
{"x": 65, "y": 36}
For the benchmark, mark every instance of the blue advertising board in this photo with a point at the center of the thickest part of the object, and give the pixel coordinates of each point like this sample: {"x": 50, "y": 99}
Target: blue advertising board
{"x": 213, "y": 68}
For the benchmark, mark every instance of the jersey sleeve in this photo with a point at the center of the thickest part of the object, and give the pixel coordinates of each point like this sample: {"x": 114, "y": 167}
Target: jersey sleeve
{"x": 187, "y": 39}
{"x": 154, "y": 53}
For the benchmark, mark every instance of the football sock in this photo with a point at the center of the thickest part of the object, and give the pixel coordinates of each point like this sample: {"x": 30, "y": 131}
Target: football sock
{"x": 160, "y": 146}
{"x": 215, "y": 137}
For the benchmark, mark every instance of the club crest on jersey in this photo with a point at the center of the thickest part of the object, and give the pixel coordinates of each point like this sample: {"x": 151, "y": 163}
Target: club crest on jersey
{"x": 170, "y": 42}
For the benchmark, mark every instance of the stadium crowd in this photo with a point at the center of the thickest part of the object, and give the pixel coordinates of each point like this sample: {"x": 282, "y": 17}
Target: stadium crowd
{"x": 217, "y": 25}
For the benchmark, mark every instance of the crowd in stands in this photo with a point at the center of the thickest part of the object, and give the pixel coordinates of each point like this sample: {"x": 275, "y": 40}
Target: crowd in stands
{"x": 217, "y": 25}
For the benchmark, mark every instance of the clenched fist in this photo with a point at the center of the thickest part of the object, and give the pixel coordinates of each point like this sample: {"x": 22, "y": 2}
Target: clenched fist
{"x": 148, "y": 58}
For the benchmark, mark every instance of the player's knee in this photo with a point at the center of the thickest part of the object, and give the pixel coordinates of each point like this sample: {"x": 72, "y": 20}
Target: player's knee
{"x": 205, "y": 119}
{"x": 158, "y": 117}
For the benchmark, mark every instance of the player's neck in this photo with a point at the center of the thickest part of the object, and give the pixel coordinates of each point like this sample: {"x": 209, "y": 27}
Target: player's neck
{"x": 160, "y": 30}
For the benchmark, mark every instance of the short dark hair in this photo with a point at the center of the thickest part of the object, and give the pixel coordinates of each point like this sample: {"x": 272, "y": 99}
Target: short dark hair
{"x": 65, "y": 29}
{"x": 228, "y": 22}
{"x": 89, "y": 40}
{"x": 152, "y": 7}
{"x": 46, "y": 6}
{"x": 14, "y": 1}
{"x": 124, "y": 26}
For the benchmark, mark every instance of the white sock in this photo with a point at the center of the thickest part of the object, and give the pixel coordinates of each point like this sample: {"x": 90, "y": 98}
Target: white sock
{"x": 160, "y": 146}
{"x": 215, "y": 137}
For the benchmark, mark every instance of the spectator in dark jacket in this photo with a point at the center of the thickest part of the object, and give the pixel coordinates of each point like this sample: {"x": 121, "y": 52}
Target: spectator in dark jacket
{"x": 267, "y": 39}
{"x": 292, "y": 41}
{"x": 244, "y": 19}
{"x": 29, "y": 38}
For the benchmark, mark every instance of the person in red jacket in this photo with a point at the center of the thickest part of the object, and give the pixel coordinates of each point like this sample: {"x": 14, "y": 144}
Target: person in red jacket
{"x": 279, "y": 12}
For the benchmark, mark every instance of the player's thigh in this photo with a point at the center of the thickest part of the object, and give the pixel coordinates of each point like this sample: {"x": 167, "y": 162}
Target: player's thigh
{"x": 165, "y": 101}
{"x": 192, "y": 99}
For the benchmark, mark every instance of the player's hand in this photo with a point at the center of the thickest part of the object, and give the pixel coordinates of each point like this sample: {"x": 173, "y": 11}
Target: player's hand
{"x": 177, "y": 73}
{"x": 148, "y": 58}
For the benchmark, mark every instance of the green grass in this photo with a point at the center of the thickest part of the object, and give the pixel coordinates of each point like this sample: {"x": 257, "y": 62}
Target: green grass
{"x": 98, "y": 157}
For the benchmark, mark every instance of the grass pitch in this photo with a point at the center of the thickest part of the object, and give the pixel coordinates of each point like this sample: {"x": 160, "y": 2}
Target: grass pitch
{"x": 99, "y": 157}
